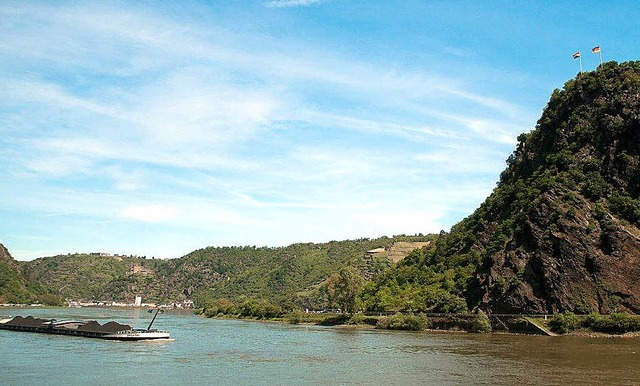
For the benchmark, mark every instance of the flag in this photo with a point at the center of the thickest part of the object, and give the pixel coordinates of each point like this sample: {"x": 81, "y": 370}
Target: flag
{"x": 576, "y": 55}
{"x": 595, "y": 50}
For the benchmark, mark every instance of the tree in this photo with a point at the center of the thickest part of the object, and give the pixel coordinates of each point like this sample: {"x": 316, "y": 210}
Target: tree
{"x": 348, "y": 287}
{"x": 329, "y": 287}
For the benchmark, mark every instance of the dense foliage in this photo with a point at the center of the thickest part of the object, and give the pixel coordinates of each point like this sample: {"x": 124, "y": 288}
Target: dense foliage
{"x": 420, "y": 283}
{"x": 12, "y": 286}
{"x": 399, "y": 321}
{"x": 615, "y": 323}
{"x": 91, "y": 276}
{"x": 289, "y": 277}
{"x": 293, "y": 276}
{"x": 16, "y": 289}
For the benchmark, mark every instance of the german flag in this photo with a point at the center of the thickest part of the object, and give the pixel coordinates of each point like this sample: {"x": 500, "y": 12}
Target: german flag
{"x": 595, "y": 50}
{"x": 576, "y": 55}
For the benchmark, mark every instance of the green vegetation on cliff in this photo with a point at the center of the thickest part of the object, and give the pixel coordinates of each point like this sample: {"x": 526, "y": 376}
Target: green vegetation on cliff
{"x": 16, "y": 289}
{"x": 560, "y": 231}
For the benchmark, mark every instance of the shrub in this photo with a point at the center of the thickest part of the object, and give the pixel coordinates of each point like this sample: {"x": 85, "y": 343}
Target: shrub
{"x": 361, "y": 318}
{"x": 565, "y": 322}
{"x": 481, "y": 323}
{"x": 295, "y": 317}
{"x": 260, "y": 309}
{"x": 409, "y": 322}
{"x": 614, "y": 323}
{"x": 334, "y": 320}
{"x": 51, "y": 300}
{"x": 219, "y": 307}
{"x": 626, "y": 206}
{"x": 596, "y": 186}
{"x": 209, "y": 312}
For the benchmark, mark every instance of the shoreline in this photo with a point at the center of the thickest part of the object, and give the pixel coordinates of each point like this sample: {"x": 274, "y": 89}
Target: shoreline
{"x": 322, "y": 322}
{"x": 368, "y": 327}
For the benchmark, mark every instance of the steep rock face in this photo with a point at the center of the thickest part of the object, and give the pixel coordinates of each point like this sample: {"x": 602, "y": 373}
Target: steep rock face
{"x": 557, "y": 262}
{"x": 4, "y": 254}
{"x": 561, "y": 230}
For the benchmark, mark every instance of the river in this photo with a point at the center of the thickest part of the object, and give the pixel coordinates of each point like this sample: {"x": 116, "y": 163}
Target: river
{"x": 226, "y": 352}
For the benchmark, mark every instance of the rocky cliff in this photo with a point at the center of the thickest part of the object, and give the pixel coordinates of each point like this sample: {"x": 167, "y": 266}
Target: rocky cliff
{"x": 561, "y": 230}
{"x": 4, "y": 255}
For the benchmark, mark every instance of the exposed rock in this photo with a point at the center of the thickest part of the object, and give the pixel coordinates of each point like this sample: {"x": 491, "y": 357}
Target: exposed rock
{"x": 5, "y": 255}
{"x": 565, "y": 214}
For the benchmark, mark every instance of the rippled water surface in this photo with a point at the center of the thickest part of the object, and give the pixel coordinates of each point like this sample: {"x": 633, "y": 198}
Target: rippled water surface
{"x": 208, "y": 351}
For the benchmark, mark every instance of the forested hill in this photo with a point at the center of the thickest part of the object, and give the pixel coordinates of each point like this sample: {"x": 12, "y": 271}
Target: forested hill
{"x": 561, "y": 229}
{"x": 286, "y": 274}
{"x": 15, "y": 288}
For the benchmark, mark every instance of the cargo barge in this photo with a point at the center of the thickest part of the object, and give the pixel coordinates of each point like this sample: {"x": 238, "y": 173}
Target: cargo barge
{"x": 87, "y": 329}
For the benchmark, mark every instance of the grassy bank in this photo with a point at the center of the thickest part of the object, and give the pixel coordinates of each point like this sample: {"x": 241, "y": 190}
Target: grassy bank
{"x": 398, "y": 321}
{"x": 562, "y": 323}
{"x": 612, "y": 324}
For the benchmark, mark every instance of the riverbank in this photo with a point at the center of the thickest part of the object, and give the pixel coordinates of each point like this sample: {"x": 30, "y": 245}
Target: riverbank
{"x": 563, "y": 324}
{"x": 586, "y": 325}
{"x": 407, "y": 322}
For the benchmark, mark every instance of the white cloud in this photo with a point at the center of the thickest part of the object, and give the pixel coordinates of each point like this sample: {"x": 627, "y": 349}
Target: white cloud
{"x": 127, "y": 180}
{"x": 59, "y": 165}
{"x": 52, "y": 95}
{"x": 419, "y": 133}
{"x": 193, "y": 109}
{"x": 153, "y": 213}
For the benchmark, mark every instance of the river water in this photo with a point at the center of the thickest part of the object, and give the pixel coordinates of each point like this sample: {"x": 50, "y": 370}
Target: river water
{"x": 225, "y": 352}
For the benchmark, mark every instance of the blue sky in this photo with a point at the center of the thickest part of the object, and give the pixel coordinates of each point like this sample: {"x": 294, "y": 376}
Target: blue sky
{"x": 156, "y": 128}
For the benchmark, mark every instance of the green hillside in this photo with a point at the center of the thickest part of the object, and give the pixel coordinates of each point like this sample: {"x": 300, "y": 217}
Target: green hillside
{"x": 290, "y": 274}
{"x": 16, "y": 289}
{"x": 88, "y": 276}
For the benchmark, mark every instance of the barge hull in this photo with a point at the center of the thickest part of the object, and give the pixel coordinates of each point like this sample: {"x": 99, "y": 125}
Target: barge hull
{"x": 128, "y": 334}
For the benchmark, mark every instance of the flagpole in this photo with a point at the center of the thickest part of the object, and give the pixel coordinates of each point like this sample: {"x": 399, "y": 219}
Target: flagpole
{"x": 578, "y": 56}
{"x": 597, "y": 50}
{"x": 580, "y": 59}
{"x": 600, "y": 52}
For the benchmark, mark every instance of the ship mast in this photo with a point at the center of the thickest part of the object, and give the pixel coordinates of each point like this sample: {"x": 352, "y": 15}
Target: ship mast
{"x": 152, "y": 320}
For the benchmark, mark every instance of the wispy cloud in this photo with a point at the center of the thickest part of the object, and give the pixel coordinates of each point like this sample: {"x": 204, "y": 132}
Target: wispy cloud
{"x": 187, "y": 125}
{"x": 150, "y": 213}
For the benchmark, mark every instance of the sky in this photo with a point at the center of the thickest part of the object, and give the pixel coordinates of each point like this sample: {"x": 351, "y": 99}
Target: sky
{"x": 158, "y": 128}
